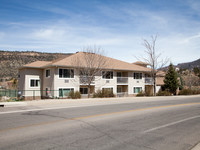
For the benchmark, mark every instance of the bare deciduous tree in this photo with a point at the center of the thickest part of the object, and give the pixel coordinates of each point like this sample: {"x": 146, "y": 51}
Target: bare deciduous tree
{"x": 89, "y": 65}
{"x": 191, "y": 80}
{"x": 153, "y": 59}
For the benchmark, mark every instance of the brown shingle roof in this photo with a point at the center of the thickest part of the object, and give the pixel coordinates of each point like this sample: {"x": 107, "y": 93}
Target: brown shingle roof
{"x": 140, "y": 63}
{"x": 161, "y": 73}
{"x": 112, "y": 63}
{"x": 160, "y": 80}
{"x": 69, "y": 61}
{"x": 37, "y": 64}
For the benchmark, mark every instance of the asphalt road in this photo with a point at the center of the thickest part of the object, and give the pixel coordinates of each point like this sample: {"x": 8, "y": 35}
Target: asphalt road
{"x": 164, "y": 124}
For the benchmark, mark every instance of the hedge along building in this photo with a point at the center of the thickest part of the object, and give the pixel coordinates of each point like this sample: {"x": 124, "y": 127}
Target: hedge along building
{"x": 57, "y": 78}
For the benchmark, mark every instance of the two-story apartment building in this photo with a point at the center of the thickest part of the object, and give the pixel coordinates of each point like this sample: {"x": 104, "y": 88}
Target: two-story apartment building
{"x": 57, "y": 78}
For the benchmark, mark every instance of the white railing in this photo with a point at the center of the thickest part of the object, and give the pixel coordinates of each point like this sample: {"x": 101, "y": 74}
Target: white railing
{"x": 122, "y": 79}
{"x": 148, "y": 80}
{"x": 122, "y": 94}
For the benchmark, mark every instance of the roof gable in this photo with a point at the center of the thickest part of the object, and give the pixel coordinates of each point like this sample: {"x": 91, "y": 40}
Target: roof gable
{"x": 69, "y": 61}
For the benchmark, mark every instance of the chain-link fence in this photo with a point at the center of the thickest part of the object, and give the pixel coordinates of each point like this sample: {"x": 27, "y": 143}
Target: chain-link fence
{"x": 34, "y": 94}
{"x": 9, "y": 93}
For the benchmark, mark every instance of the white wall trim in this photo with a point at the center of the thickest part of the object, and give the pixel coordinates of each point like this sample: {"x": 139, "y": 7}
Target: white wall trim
{"x": 66, "y": 68}
{"x": 29, "y": 84}
{"x": 63, "y": 88}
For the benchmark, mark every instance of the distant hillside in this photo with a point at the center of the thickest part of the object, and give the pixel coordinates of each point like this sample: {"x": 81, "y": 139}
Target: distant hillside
{"x": 189, "y": 65}
{"x": 10, "y": 61}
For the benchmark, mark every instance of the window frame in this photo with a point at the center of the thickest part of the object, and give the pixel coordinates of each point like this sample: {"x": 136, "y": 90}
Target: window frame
{"x": 35, "y": 79}
{"x": 102, "y": 75}
{"x": 140, "y": 75}
{"x": 47, "y": 73}
{"x": 62, "y": 77}
{"x": 109, "y": 87}
{"x": 64, "y": 88}
{"x": 135, "y": 88}
{"x": 83, "y": 91}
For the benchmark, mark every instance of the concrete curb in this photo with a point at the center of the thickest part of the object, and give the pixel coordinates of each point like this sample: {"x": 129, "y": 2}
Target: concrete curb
{"x": 12, "y": 104}
{"x": 86, "y": 100}
{"x": 197, "y": 147}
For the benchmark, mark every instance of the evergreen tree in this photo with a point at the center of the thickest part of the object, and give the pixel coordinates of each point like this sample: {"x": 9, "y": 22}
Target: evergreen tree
{"x": 171, "y": 80}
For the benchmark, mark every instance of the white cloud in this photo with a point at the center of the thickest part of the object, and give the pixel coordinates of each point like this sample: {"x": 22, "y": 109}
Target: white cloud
{"x": 49, "y": 34}
{"x": 121, "y": 35}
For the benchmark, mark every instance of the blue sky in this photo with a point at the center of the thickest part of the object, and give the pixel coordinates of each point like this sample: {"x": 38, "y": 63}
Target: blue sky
{"x": 118, "y": 26}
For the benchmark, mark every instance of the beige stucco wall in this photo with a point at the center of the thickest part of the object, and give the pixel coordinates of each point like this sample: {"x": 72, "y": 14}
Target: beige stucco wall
{"x": 48, "y": 82}
{"x": 25, "y": 76}
{"x": 106, "y": 83}
{"x": 65, "y": 82}
{"x": 54, "y": 82}
{"x": 21, "y": 80}
{"x": 135, "y": 82}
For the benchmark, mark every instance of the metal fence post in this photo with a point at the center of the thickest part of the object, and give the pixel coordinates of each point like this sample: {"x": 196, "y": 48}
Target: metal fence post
{"x": 34, "y": 94}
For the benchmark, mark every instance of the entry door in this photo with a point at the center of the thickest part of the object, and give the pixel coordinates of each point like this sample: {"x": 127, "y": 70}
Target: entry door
{"x": 119, "y": 89}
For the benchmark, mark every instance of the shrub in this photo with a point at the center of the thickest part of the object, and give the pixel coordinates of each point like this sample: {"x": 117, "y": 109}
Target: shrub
{"x": 77, "y": 95}
{"x": 103, "y": 93}
{"x": 107, "y": 93}
{"x": 98, "y": 93}
{"x": 74, "y": 95}
{"x": 163, "y": 93}
{"x": 71, "y": 94}
{"x": 189, "y": 92}
{"x": 140, "y": 94}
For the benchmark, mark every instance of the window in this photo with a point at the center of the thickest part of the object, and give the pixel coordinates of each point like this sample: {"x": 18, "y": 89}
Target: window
{"x": 48, "y": 73}
{"x": 34, "y": 83}
{"x": 107, "y": 74}
{"x": 66, "y": 73}
{"x": 137, "y": 75}
{"x": 84, "y": 90}
{"x": 137, "y": 89}
{"x": 119, "y": 74}
{"x": 107, "y": 89}
{"x": 64, "y": 92}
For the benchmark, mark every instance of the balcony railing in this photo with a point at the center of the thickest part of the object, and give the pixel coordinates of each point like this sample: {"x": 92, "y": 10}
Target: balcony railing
{"x": 122, "y": 80}
{"x": 85, "y": 80}
{"x": 148, "y": 81}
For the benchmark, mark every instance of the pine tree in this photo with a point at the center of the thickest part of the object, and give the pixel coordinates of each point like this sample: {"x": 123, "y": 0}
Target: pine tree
{"x": 171, "y": 80}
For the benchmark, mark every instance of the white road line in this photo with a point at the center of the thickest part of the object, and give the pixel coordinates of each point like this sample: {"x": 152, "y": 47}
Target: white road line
{"x": 40, "y": 109}
{"x": 170, "y": 124}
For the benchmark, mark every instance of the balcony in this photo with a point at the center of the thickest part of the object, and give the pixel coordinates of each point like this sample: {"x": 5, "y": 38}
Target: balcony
{"x": 148, "y": 81}
{"x": 84, "y": 80}
{"x": 122, "y": 80}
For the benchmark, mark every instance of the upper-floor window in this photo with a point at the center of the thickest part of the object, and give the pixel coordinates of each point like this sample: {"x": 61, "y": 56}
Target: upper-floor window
{"x": 137, "y": 75}
{"x": 107, "y": 74}
{"x": 34, "y": 83}
{"x": 48, "y": 73}
{"x": 66, "y": 73}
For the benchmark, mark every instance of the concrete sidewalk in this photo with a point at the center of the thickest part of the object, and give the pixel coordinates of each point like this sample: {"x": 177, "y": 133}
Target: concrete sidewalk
{"x": 91, "y": 101}
{"x": 197, "y": 147}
